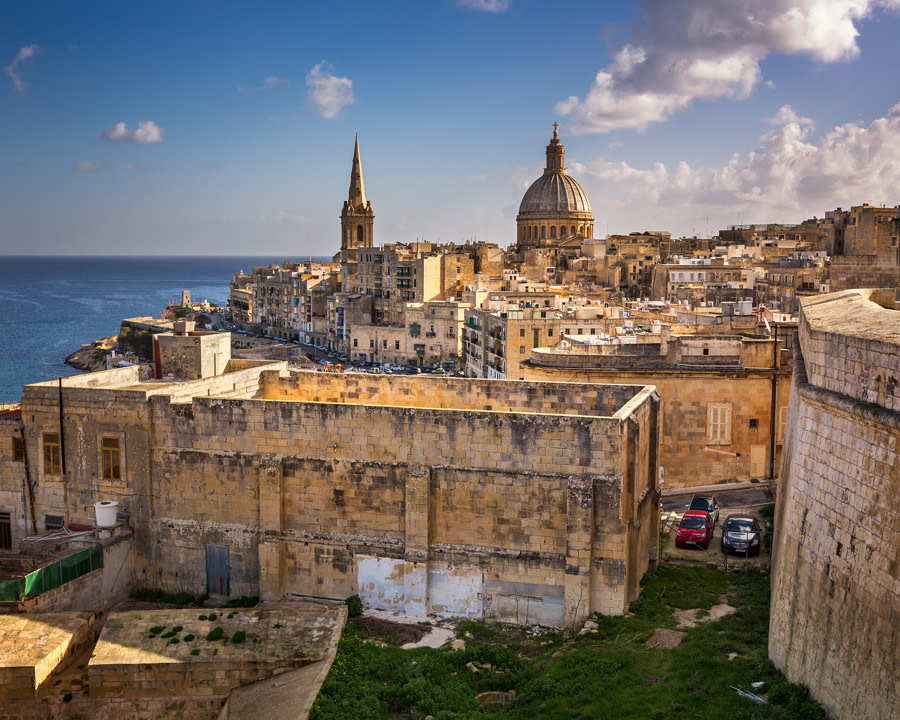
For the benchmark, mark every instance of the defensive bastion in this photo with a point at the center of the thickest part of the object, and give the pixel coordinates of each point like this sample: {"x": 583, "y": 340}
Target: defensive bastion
{"x": 835, "y": 620}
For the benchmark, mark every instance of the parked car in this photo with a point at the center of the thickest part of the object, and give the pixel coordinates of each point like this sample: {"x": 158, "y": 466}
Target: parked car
{"x": 707, "y": 503}
{"x": 696, "y": 528}
{"x": 741, "y": 534}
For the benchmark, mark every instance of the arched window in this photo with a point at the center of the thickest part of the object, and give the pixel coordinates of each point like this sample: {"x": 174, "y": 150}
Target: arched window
{"x": 529, "y": 232}
{"x": 581, "y": 229}
{"x": 359, "y": 234}
{"x": 553, "y": 231}
{"x": 543, "y": 232}
{"x": 573, "y": 230}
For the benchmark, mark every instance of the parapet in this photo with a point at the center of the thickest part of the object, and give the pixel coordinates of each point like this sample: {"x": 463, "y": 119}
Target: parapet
{"x": 851, "y": 344}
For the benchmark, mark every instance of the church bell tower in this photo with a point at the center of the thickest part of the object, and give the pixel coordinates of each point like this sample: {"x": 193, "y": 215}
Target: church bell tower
{"x": 357, "y": 224}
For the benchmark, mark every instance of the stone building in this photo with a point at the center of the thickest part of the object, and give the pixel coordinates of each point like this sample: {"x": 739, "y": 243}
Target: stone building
{"x": 523, "y": 502}
{"x": 835, "y": 614}
{"x": 555, "y": 206}
{"x": 723, "y": 397}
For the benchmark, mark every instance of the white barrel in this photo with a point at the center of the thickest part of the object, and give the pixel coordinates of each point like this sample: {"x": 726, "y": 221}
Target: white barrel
{"x": 105, "y": 513}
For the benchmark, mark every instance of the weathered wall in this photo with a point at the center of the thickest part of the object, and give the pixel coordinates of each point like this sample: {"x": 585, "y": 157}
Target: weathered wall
{"x": 685, "y": 449}
{"x": 835, "y": 618}
{"x": 476, "y": 498}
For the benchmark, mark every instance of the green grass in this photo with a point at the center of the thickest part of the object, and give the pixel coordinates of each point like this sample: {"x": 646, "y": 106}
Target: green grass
{"x": 608, "y": 674}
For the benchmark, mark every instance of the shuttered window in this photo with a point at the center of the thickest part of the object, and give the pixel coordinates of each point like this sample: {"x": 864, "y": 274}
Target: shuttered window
{"x": 112, "y": 459}
{"x": 52, "y": 462}
{"x": 718, "y": 423}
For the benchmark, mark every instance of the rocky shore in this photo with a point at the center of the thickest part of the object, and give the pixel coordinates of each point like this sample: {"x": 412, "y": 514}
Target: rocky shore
{"x": 92, "y": 357}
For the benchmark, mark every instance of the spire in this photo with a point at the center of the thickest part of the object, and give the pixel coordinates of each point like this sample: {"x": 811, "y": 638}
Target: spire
{"x": 357, "y": 197}
{"x": 556, "y": 154}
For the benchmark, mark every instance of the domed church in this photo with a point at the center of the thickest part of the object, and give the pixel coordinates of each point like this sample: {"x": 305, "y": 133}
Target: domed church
{"x": 555, "y": 207}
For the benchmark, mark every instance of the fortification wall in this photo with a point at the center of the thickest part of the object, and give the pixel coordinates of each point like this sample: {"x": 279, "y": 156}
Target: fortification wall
{"x": 456, "y": 512}
{"x": 835, "y": 619}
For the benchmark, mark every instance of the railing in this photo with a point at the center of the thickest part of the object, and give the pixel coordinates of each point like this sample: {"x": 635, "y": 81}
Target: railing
{"x": 53, "y": 575}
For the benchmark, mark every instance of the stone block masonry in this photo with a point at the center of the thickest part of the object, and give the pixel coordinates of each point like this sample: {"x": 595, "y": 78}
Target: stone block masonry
{"x": 835, "y": 620}
{"x": 529, "y": 502}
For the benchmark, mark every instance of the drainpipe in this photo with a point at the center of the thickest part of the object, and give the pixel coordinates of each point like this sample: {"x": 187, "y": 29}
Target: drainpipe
{"x": 772, "y": 418}
{"x": 28, "y": 484}
{"x": 62, "y": 431}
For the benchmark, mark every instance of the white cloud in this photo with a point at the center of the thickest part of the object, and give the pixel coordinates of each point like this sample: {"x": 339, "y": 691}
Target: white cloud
{"x": 145, "y": 133}
{"x": 494, "y": 6}
{"x": 786, "y": 115}
{"x": 789, "y": 176}
{"x": 685, "y": 50}
{"x": 87, "y": 166}
{"x": 25, "y": 53}
{"x": 329, "y": 93}
{"x": 476, "y": 179}
{"x": 271, "y": 81}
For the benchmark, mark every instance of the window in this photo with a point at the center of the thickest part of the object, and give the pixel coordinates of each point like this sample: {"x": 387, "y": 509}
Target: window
{"x": 354, "y": 342}
{"x": 371, "y": 344}
{"x": 782, "y": 423}
{"x": 521, "y": 349}
{"x": 52, "y": 461}
{"x": 553, "y": 231}
{"x": 53, "y": 522}
{"x": 415, "y": 329}
{"x": 754, "y": 424}
{"x": 396, "y": 344}
{"x": 18, "y": 449}
{"x": 521, "y": 332}
{"x": 384, "y": 344}
{"x": 112, "y": 458}
{"x": 549, "y": 332}
{"x": 5, "y": 531}
{"x": 718, "y": 423}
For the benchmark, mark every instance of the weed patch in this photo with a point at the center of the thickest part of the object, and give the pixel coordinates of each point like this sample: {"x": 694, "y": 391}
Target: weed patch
{"x": 610, "y": 673}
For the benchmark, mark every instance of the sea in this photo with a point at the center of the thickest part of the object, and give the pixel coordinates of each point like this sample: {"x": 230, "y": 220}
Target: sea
{"x": 51, "y": 306}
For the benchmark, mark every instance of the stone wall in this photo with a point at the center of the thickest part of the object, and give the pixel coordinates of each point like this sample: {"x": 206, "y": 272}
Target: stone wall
{"x": 476, "y": 498}
{"x": 835, "y": 618}
{"x": 686, "y": 450}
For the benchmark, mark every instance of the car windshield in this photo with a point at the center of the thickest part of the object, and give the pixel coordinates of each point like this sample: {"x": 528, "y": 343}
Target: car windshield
{"x": 744, "y": 526}
{"x": 699, "y": 503}
{"x": 692, "y": 522}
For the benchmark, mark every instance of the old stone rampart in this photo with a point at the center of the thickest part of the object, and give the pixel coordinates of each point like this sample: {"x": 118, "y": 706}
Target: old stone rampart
{"x": 835, "y": 620}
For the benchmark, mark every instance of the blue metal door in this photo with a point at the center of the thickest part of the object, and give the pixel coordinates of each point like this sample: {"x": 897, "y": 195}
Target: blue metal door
{"x": 217, "y": 570}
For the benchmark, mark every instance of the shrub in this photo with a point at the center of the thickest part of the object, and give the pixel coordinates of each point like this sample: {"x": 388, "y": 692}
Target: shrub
{"x": 211, "y": 617}
{"x": 242, "y": 602}
{"x": 202, "y": 617}
{"x": 195, "y": 651}
{"x": 231, "y": 615}
{"x": 354, "y": 606}
{"x": 177, "y": 629}
{"x": 173, "y": 641}
{"x": 188, "y": 638}
{"x": 239, "y": 637}
{"x": 157, "y": 629}
{"x": 67, "y": 697}
{"x": 169, "y": 634}
{"x": 216, "y": 633}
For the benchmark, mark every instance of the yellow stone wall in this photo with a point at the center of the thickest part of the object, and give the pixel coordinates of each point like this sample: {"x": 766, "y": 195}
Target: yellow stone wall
{"x": 686, "y": 452}
{"x": 481, "y": 498}
{"x": 835, "y": 617}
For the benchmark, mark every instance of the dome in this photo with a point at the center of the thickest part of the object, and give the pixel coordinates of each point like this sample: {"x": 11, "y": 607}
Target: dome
{"x": 555, "y": 207}
{"x": 554, "y": 193}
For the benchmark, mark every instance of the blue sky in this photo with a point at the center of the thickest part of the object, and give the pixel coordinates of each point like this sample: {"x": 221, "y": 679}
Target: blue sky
{"x": 191, "y": 127}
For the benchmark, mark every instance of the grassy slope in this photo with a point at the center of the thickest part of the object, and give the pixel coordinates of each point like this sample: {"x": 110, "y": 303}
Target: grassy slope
{"x": 608, "y": 674}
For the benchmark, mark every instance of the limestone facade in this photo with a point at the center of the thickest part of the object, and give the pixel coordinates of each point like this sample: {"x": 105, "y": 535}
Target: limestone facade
{"x": 835, "y": 616}
{"x": 529, "y": 502}
{"x": 724, "y": 399}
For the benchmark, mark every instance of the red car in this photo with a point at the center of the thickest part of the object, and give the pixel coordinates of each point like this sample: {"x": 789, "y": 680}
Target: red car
{"x": 695, "y": 528}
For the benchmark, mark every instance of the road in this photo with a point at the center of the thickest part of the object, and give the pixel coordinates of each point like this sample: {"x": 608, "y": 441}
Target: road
{"x": 751, "y": 497}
